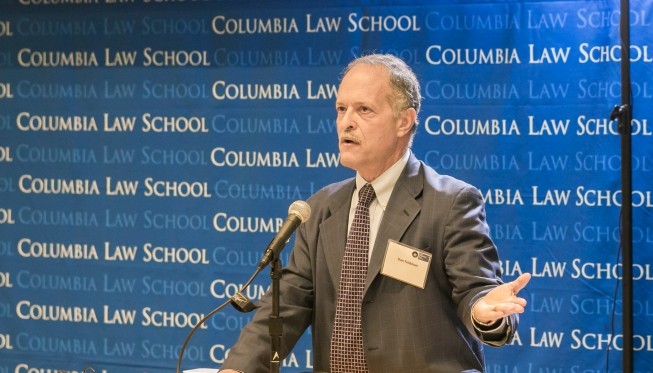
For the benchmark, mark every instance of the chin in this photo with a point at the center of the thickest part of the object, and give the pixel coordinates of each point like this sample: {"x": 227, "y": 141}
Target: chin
{"x": 346, "y": 162}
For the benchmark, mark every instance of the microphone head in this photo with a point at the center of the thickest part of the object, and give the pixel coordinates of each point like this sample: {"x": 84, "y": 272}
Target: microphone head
{"x": 301, "y": 209}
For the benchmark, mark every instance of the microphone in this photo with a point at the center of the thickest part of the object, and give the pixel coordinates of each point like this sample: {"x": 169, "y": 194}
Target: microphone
{"x": 298, "y": 212}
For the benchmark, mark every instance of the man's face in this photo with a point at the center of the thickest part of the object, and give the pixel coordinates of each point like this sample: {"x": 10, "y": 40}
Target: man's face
{"x": 370, "y": 139}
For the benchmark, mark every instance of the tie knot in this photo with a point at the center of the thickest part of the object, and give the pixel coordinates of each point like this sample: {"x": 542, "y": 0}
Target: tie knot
{"x": 366, "y": 195}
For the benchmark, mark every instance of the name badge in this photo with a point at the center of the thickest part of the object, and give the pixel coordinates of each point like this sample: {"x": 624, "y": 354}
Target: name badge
{"x": 406, "y": 264}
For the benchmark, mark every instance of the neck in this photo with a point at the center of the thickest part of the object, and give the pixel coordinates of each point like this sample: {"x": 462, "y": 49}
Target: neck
{"x": 371, "y": 174}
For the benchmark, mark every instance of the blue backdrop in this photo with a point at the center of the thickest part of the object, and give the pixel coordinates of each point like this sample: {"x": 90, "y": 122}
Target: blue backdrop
{"x": 149, "y": 151}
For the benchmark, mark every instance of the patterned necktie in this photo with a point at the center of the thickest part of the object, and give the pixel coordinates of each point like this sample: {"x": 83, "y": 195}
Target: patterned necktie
{"x": 347, "y": 354}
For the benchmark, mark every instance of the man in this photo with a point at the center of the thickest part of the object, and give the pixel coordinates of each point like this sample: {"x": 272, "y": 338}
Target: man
{"x": 433, "y": 320}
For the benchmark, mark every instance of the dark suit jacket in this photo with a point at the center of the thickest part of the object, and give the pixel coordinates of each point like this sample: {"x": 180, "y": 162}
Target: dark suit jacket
{"x": 405, "y": 329}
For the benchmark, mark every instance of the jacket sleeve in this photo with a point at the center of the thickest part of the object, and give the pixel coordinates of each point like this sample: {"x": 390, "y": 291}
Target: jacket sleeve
{"x": 472, "y": 262}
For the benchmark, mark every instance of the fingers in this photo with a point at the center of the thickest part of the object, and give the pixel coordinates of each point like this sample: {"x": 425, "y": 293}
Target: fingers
{"x": 509, "y": 308}
{"x": 503, "y": 300}
{"x": 486, "y": 312}
{"x": 521, "y": 282}
{"x": 515, "y": 303}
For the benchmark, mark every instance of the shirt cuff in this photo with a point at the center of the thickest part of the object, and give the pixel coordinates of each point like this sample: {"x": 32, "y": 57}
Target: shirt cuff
{"x": 496, "y": 326}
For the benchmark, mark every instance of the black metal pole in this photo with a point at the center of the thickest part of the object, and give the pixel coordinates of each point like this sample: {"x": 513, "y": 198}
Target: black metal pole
{"x": 276, "y": 322}
{"x": 625, "y": 119}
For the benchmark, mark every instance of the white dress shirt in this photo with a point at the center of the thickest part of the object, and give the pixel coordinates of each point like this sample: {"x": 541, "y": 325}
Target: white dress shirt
{"x": 383, "y": 186}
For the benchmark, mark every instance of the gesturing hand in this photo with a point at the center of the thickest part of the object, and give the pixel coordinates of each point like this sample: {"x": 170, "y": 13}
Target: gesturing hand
{"x": 502, "y": 301}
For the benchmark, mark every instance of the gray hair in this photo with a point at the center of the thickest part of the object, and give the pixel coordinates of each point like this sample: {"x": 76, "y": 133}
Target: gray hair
{"x": 403, "y": 81}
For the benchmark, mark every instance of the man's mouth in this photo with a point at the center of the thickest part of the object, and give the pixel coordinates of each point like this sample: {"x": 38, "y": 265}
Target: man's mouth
{"x": 349, "y": 139}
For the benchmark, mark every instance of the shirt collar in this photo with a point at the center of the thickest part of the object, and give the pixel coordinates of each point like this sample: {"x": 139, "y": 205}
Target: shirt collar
{"x": 385, "y": 183}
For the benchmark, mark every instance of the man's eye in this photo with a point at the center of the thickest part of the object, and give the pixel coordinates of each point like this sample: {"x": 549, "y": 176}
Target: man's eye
{"x": 365, "y": 109}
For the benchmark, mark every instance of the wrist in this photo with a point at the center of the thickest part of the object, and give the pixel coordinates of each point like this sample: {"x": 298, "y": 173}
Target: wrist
{"x": 482, "y": 323}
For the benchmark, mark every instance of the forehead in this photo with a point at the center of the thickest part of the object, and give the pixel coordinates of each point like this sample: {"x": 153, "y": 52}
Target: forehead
{"x": 365, "y": 82}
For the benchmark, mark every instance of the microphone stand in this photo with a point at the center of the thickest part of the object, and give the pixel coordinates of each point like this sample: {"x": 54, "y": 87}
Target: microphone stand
{"x": 298, "y": 213}
{"x": 276, "y": 322}
{"x": 624, "y": 114}
{"x": 238, "y": 301}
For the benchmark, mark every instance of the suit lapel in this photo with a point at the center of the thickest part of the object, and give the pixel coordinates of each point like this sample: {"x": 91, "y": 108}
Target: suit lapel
{"x": 334, "y": 231}
{"x": 402, "y": 209}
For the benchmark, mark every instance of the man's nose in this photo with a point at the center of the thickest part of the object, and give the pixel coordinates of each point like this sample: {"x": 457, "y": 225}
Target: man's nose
{"x": 346, "y": 120}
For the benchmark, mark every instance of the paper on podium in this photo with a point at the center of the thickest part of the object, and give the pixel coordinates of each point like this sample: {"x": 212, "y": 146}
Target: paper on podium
{"x": 202, "y": 370}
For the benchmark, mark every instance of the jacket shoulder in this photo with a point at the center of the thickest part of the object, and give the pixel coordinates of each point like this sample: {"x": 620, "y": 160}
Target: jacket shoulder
{"x": 446, "y": 183}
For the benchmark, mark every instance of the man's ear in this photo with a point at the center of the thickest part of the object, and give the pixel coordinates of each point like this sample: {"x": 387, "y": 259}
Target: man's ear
{"x": 408, "y": 118}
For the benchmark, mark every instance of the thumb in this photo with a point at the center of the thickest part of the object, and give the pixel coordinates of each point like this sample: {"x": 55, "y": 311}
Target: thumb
{"x": 521, "y": 282}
